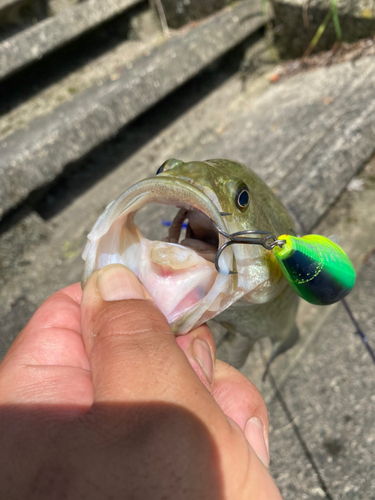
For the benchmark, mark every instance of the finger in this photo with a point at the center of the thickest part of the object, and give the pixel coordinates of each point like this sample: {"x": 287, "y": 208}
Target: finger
{"x": 199, "y": 348}
{"x": 257, "y": 483}
{"x": 132, "y": 351}
{"x": 46, "y": 338}
{"x": 135, "y": 359}
{"x": 241, "y": 401}
{"x": 50, "y": 344}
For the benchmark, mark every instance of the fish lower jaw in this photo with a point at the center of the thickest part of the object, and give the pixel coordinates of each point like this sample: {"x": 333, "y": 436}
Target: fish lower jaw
{"x": 178, "y": 278}
{"x": 181, "y": 278}
{"x": 184, "y": 285}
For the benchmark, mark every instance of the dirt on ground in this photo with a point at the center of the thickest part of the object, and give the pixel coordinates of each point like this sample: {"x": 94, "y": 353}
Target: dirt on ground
{"x": 338, "y": 54}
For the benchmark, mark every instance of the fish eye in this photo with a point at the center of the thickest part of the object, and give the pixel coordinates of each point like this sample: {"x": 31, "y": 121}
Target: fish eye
{"x": 161, "y": 168}
{"x": 172, "y": 162}
{"x": 242, "y": 198}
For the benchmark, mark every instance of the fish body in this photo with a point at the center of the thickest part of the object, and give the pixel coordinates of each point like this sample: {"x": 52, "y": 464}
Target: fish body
{"x": 179, "y": 272}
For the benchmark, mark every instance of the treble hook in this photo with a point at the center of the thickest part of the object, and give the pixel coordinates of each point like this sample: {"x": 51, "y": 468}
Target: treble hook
{"x": 269, "y": 241}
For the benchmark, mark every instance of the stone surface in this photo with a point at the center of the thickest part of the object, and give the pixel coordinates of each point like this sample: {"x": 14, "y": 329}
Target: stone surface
{"x": 349, "y": 220}
{"x": 289, "y": 466}
{"x": 50, "y": 34}
{"x": 7, "y": 3}
{"x": 307, "y": 136}
{"x": 331, "y": 392}
{"x": 180, "y": 12}
{"x": 315, "y": 453}
{"x": 31, "y": 158}
{"x": 57, "y": 6}
{"x": 16, "y": 15}
{"x": 296, "y": 22}
{"x": 63, "y": 79}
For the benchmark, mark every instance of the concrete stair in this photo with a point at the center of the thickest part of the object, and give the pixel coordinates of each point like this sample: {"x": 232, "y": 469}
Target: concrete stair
{"x": 104, "y": 110}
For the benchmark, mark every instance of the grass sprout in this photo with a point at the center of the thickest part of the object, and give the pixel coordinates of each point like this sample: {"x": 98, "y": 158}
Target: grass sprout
{"x": 333, "y": 12}
{"x": 336, "y": 21}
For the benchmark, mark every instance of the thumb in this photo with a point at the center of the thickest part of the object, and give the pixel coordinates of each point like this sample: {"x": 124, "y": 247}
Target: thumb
{"x": 132, "y": 351}
{"x": 134, "y": 358}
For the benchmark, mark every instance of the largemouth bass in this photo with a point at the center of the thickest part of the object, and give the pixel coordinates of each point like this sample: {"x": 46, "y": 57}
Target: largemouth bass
{"x": 180, "y": 273}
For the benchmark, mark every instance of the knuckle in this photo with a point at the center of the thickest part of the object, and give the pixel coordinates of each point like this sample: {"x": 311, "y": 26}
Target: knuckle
{"x": 132, "y": 318}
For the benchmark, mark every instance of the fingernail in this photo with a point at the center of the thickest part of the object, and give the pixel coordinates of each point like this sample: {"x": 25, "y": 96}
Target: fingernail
{"x": 202, "y": 354}
{"x": 117, "y": 282}
{"x": 256, "y": 436}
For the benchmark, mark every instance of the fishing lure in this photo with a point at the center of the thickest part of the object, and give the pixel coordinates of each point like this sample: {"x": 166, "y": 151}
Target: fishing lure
{"x": 318, "y": 270}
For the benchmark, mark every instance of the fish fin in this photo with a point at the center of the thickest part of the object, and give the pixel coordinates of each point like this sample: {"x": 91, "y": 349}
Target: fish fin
{"x": 280, "y": 346}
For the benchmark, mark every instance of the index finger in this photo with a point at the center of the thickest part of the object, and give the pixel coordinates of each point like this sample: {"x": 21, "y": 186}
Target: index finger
{"x": 41, "y": 341}
{"x": 47, "y": 361}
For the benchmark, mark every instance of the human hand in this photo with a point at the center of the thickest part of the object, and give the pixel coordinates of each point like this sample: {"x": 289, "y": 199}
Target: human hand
{"x": 100, "y": 400}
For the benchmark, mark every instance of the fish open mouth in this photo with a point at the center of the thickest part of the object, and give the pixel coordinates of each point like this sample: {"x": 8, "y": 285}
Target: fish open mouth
{"x": 201, "y": 236}
{"x": 178, "y": 272}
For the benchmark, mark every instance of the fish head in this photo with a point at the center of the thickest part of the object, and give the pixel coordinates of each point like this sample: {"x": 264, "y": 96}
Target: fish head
{"x": 180, "y": 274}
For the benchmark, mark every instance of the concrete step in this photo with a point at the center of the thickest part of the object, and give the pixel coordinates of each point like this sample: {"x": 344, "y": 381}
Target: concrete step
{"x": 6, "y": 4}
{"x": 46, "y": 36}
{"x": 296, "y": 23}
{"x": 177, "y": 14}
{"x": 307, "y": 137}
{"x": 16, "y": 15}
{"x": 229, "y": 123}
{"x": 34, "y": 157}
{"x": 65, "y": 74}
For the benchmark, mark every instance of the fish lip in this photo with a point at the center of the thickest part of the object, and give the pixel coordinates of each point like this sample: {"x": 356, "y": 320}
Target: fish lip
{"x": 153, "y": 189}
{"x": 163, "y": 183}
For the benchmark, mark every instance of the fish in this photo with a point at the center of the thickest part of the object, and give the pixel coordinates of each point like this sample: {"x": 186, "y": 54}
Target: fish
{"x": 243, "y": 300}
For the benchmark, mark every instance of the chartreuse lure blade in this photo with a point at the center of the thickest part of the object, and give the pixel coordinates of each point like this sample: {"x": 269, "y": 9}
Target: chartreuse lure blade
{"x": 317, "y": 269}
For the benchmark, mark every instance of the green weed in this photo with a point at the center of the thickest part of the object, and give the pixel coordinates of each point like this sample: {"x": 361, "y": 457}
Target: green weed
{"x": 319, "y": 32}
